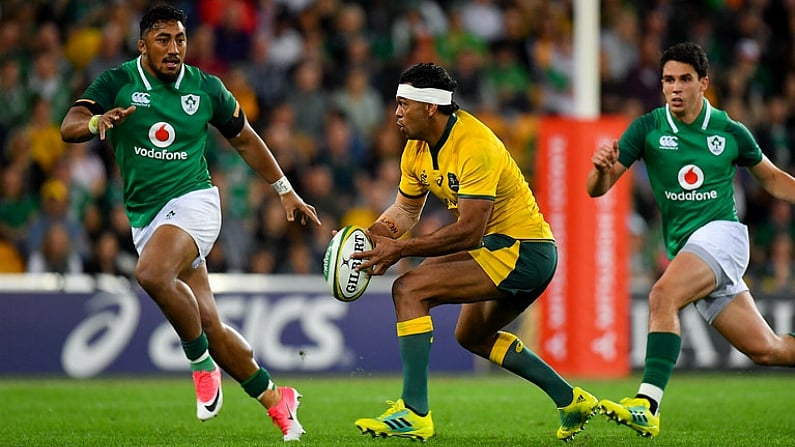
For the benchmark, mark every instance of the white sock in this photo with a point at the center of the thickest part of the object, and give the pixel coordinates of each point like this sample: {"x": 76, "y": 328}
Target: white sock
{"x": 654, "y": 392}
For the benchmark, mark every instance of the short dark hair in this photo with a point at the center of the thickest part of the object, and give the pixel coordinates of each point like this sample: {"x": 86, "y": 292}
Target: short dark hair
{"x": 688, "y": 53}
{"x": 161, "y": 13}
{"x": 428, "y": 75}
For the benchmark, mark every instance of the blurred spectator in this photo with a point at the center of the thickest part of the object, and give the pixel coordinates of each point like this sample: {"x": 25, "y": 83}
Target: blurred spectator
{"x": 301, "y": 260}
{"x": 474, "y": 93}
{"x": 112, "y": 51}
{"x": 119, "y": 225}
{"x": 779, "y": 272}
{"x": 271, "y": 233}
{"x": 105, "y": 257}
{"x": 775, "y": 134}
{"x": 642, "y": 81}
{"x": 262, "y": 260}
{"x": 13, "y": 95}
{"x": 451, "y": 45}
{"x": 509, "y": 80}
{"x": 293, "y": 150}
{"x": 233, "y": 31}
{"x": 202, "y": 53}
{"x": 416, "y": 30}
{"x": 558, "y": 90}
{"x": 11, "y": 261}
{"x": 350, "y": 22}
{"x": 237, "y": 185}
{"x": 48, "y": 82}
{"x": 11, "y": 44}
{"x": 317, "y": 184}
{"x": 237, "y": 83}
{"x": 361, "y": 103}
{"x": 308, "y": 99}
{"x": 342, "y": 151}
{"x": 286, "y": 43}
{"x": 46, "y": 146}
{"x": 56, "y": 254}
{"x": 55, "y": 210}
{"x": 218, "y": 260}
{"x": 18, "y": 207}
{"x": 771, "y": 244}
{"x": 482, "y": 18}
{"x": 86, "y": 171}
{"x": 619, "y": 47}
{"x": 268, "y": 80}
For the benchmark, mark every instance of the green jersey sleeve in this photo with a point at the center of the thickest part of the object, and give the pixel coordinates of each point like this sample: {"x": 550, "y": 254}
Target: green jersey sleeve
{"x": 106, "y": 86}
{"x": 749, "y": 152}
{"x": 632, "y": 143}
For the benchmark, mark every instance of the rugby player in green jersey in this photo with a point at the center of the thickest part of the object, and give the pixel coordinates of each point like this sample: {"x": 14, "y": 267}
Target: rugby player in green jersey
{"x": 691, "y": 151}
{"x": 154, "y": 111}
{"x": 494, "y": 260}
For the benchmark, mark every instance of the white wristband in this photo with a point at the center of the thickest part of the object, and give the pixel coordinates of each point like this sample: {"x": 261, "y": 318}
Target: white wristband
{"x": 93, "y": 124}
{"x": 282, "y": 186}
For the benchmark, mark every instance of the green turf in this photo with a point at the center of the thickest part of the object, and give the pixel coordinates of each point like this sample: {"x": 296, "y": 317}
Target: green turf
{"x": 732, "y": 409}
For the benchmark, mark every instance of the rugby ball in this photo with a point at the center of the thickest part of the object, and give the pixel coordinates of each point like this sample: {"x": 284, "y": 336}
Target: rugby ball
{"x": 346, "y": 284}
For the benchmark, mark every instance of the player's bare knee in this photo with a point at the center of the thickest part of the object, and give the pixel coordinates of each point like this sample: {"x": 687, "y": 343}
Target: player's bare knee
{"x": 464, "y": 338}
{"x": 404, "y": 291}
{"x": 150, "y": 278}
{"x": 762, "y": 357}
{"x": 660, "y": 301}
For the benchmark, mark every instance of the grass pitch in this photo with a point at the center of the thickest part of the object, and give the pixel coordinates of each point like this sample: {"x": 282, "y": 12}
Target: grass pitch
{"x": 731, "y": 409}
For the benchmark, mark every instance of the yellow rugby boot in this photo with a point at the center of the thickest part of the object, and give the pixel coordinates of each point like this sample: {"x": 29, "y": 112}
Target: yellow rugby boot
{"x": 634, "y": 413}
{"x": 398, "y": 421}
{"x": 575, "y": 415}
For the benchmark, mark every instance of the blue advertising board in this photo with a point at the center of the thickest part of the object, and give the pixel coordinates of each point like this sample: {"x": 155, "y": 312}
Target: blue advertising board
{"x": 84, "y": 327}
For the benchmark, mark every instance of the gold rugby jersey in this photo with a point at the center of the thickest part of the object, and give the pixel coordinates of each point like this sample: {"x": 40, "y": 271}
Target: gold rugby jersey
{"x": 471, "y": 162}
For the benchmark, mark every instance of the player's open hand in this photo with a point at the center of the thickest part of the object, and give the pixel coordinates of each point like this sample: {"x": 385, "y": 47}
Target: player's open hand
{"x": 605, "y": 156}
{"x": 114, "y": 116}
{"x": 295, "y": 207}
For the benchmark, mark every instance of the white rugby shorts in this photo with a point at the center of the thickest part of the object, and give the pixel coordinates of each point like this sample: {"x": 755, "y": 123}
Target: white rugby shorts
{"x": 724, "y": 246}
{"x": 198, "y": 213}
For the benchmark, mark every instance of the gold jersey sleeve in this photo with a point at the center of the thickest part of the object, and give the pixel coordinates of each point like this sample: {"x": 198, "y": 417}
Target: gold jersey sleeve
{"x": 470, "y": 162}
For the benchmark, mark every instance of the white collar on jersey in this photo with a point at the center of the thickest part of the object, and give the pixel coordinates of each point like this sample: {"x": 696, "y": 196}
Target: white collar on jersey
{"x": 146, "y": 81}
{"x": 704, "y": 125}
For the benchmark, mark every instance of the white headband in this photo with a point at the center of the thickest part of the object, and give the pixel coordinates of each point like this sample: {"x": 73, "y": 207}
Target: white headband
{"x": 429, "y": 95}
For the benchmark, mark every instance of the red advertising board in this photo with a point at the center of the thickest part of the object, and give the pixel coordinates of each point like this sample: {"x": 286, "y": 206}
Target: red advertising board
{"x": 584, "y": 314}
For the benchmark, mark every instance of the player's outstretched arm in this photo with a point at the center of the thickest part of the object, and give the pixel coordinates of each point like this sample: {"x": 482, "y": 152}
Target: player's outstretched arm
{"x": 777, "y": 182}
{"x": 256, "y": 154}
{"x": 80, "y": 125}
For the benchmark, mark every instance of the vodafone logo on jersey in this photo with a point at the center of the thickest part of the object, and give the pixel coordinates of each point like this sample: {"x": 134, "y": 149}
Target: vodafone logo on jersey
{"x": 690, "y": 177}
{"x": 161, "y": 134}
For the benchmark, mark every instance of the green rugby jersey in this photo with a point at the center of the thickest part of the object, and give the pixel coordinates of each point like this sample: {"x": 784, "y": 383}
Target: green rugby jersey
{"x": 160, "y": 148}
{"x": 690, "y": 166}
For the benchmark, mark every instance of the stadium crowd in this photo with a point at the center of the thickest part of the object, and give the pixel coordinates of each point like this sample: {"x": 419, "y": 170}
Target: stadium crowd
{"x": 316, "y": 79}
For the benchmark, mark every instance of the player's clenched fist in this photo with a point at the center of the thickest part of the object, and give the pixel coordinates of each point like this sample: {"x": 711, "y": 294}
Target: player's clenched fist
{"x": 605, "y": 156}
